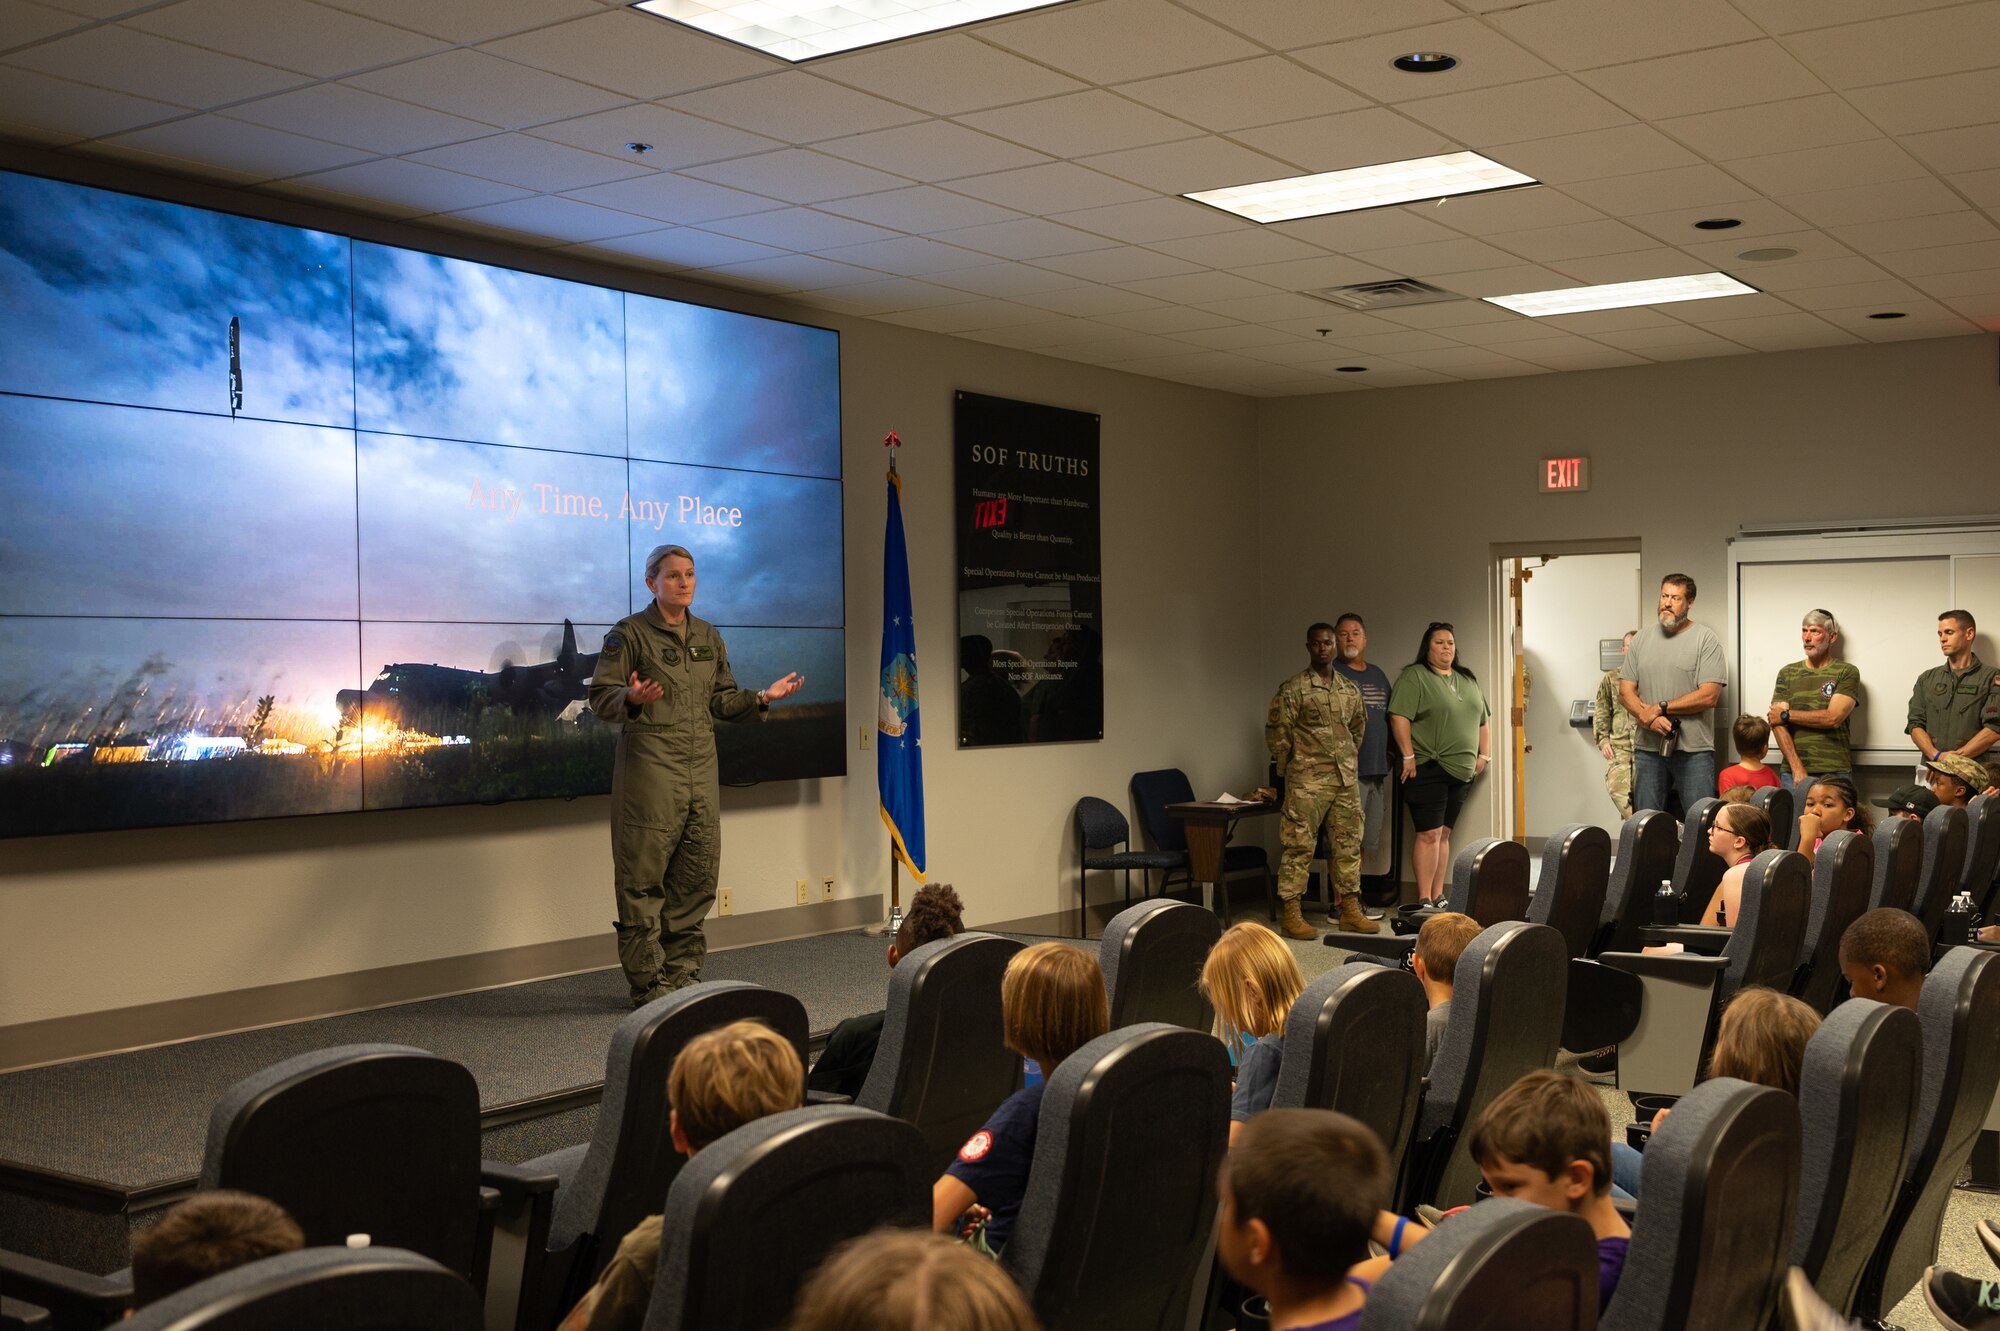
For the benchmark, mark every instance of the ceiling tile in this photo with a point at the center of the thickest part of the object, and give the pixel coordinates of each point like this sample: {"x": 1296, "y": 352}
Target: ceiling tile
{"x": 1908, "y": 46}
{"x": 1126, "y": 263}
{"x": 1192, "y": 288}
{"x": 1982, "y": 310}
{"x": 1575, "y": 241}
{"x": 1874, "y": 203}
{"x": 532, "y": 164}
{"x": 903, "y": 293}
{"x": 1506, "y": 281}
{"x": 907, "y": 256}
{"x": 1233, "y": 337}
{"x": 1713, "y": 80}
{"x": 1981, "y": 187}
{"x": 1148, "y": 220}
{"x": 1315, "y": 274}
{"x": 1910, "y": 233}
{"x": 1056, "y": 187}
{"x": 1782, "y": 16}
{"x": 1485, "y": 59}
{"x": 678, "y": 139}
{"x": 1696, "y": 350}
{"x": 1619, "y": 151}
{"x": 1375, "y": 229}
{"x": 631, "y": 53}
{"x": 1352, "y": 138}
{"x": 794, "y": 106}
{"x": 1012, "y": 280}
{"x": 142, "y": 65}
{"x": 685, "y": 247}
{"x": 1029, "y": 238}
{"x": 1506, "y": 210}
{"x": 1288, "y": 24}
{"x": 483, "y": 87}
{"x": 1191, "y": 164}
{"x": 1455, "y": 314}
{"x": 1081, "y": 123}
{"x": 1090, "y": 300}
{"x": 1968, "y": 149}
{"x": 673, "y": 198}
{"x": 1937, "y": 102}
{"x": 358, "y": 119}
{"x": 1658, "y": 191}
{"x": 1784, "y": 332}
{"x": 789, "y": 272}
{"x": 1638, "y": 266}
{"x": 1673, "y": 334}
{"x": 1112, "y": 41}
{"x": 1439, "y": 256}
{"x": 1812, "y": 169}
{"x": 310, "y": 38}
{"x": 404, "y": 188}
{"x": 921, "y": 208}
{"x": 1802, "y": 274}
{"x": 947, "y": 74}
{"x": 933, "y": 150}
{"x": 541, "y": 221}
{"x": 1759, "y": 217}
{"x": 1168, "y": 319}
{"x": 256, "y": 152}
{"x": 1750, "y": 131}
{"x": 1723, "y": 249}
{"x": 1396, "y": 344}
{"x": 1538, "y": 109}
{"x": 27, "y": 22}
{"x": 469, "y": 20}
{"x": 1582, "y": 34}
{"x": 1944, "y": 323}
{"x": 1884, "y": 293}
{"x": 1307, "y": 351}
{"x": 1946, "y": 286}
{"x": 1451, "y": 360}
{"x": 796, "y": 175}
{"x": 1025, "y": 337}
{"x": 1239, "y": 249}
{"x": 965, "y": 316}
{"x": 1942, "y": 259}
{"x": 1244, "y": 94}
{"x": 798, "y": 229}
{"x": 63, "y": 112}
{"x": 1714, "y": 314}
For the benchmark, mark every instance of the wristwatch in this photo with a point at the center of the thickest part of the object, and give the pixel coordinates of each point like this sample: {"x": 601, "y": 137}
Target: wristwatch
{"x": 1784, "y": 716}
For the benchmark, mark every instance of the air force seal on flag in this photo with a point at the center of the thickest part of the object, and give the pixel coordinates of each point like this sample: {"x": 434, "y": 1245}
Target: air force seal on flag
{"x": 899, "y": 694}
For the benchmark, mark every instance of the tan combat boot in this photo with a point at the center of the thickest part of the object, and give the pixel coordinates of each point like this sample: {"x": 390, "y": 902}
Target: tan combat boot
{"x": 1352, "y": 921}
{"x": 1293, "y": 923}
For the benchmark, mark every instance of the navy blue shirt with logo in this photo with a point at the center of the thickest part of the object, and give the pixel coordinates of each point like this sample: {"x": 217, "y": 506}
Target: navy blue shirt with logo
{"x": 994, "y": 1161}
{"x": 1374, "y": 686}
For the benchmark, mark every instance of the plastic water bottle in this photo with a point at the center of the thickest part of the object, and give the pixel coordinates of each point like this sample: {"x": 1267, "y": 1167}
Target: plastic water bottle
{"x": 358, "y": 1240}
{"x": 1666, "y": 906}
{"x": 1961, "y": 919}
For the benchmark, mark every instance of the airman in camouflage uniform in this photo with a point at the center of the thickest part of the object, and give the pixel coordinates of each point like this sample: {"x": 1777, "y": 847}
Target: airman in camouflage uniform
{"x": 1612, "y": 726}
{"x": 663, "y": 677}
{"x": 1314, "y": 731}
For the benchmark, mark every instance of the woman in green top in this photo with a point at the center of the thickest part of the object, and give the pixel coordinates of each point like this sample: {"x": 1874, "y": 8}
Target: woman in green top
{"x": 1437, "y": 718}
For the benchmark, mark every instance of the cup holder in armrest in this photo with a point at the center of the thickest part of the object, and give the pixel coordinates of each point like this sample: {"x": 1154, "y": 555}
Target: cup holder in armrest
{"x": 1637, "y": 1135}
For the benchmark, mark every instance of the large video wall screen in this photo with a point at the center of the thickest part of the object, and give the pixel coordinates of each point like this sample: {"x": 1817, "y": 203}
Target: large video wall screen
{"x": 293, "y": 523}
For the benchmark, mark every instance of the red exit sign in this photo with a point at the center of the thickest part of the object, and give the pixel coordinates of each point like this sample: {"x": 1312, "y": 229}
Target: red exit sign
{"x": 1565, "y": 474}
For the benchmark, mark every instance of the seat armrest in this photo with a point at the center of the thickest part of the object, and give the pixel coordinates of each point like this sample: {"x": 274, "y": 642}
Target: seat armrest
{"x": 515, "y": 1183}
{"x": 1687, "y": 967}
{"x": 828, "y": 1098}
{"x": 1393, "y": 947}
{"x": 1705, "y": 939}
{"x": 73, "y": 1299}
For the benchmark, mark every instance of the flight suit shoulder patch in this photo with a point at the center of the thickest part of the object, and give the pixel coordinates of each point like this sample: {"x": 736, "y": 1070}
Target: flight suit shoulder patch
{"x": 701, "y": 652}
{"x": 614, "y": 643}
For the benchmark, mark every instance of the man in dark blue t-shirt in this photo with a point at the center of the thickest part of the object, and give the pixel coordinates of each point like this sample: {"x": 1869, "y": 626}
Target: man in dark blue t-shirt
{"x": 1351, "y": 643}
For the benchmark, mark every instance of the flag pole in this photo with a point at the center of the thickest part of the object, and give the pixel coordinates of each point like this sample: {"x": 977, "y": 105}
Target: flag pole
{"x": 894, "y": 442}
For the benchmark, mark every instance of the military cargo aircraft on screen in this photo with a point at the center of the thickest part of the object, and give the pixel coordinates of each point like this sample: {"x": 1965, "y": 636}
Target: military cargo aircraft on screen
{"x": 406, "y": 693}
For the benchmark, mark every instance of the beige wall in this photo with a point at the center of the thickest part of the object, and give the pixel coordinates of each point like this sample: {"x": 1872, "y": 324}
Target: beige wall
{"x": 109, "y": 921}
{"x": 1396, "y": 503}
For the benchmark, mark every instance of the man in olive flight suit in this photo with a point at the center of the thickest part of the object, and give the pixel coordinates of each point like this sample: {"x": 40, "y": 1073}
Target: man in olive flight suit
{"x": 1314, "y": 731}
{"x": 1612, "y": 727}
{"x": 663, "y": 676}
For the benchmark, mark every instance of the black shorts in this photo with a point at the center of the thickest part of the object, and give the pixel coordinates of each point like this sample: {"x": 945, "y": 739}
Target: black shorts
{"x": 1434, "y": 796}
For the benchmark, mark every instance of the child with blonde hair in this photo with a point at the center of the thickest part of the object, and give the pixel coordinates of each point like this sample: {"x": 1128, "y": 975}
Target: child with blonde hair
{"x": 1253, "y": 979}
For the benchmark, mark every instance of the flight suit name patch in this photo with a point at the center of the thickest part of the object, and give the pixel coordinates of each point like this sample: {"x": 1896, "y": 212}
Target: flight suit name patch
{"x": 701, "y": 653}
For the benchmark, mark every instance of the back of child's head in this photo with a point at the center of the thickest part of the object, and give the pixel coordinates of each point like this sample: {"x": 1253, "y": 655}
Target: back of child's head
{"x": 209, "y": 1233}
{"x": 1317, "y": 1180}
{"x": 1253, "y": 979}
{"x": 1442, "y": 941}
{"x": 1752, "y": 735}
{"x": 1052, "y": 1003}
{"x": 733, "y": 1075}
{"x": 1739, "y": 794}
{"x": 1762, "y": 1038}
{"x": 1843, "y": 790}
{"x": 935, "y": 912}
{"x": 1890, "y": 938}
{"x": 908, "y": 1280}
{"x": 1545, "y": 1121}
{"x": 1749, "y": 822}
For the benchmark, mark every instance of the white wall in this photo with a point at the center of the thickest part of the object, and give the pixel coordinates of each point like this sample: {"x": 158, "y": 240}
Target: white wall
{"x": 1571, "y": 602}
{"x": 1394, "y": 501}
{"x": 102, "y": 922}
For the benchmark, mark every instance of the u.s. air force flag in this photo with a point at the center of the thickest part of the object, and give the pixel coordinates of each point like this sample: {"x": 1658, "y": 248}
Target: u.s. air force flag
{"x": 899, "y": 755}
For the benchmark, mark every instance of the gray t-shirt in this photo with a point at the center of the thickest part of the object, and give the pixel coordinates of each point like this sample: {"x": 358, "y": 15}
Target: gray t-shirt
{"x": 1257, "y": 1077}
{"x": 1434, "y": 1023}
{"x": 1665, "y": 667}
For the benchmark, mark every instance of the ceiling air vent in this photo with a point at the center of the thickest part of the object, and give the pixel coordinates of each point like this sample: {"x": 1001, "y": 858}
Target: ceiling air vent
{"x": 1393, "y": 294}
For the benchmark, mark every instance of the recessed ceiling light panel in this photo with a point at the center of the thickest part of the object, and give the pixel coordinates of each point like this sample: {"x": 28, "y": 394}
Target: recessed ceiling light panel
{"x": 1620, "y": 295}
{"x": 1769, "y": 254}
{"x": 1361, "y": 187}
{"x": 1425, "y": 62}
{"x": 805, "y": 29}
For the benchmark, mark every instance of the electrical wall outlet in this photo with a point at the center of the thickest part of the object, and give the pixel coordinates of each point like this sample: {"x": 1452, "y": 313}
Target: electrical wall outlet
{"x": 826, "y": 889}
{"x": 864, "y": 737}
{"x": 800, "y": 884}
{"x": 726, "y": 901}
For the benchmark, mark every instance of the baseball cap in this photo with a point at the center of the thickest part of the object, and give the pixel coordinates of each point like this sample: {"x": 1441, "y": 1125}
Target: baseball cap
{"x": 1960, "y": 768}
{"x": 1908, "y": 799}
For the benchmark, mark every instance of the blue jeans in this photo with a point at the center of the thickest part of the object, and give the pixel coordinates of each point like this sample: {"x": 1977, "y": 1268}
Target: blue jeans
{"x": 1691, "y": 772}
{"x": 1785, "y": 779}
{"x": 1625, "y": 1166}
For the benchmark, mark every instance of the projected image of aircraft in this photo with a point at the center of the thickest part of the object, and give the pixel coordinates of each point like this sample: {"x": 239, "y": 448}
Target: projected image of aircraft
{"x": 405, "y": 692}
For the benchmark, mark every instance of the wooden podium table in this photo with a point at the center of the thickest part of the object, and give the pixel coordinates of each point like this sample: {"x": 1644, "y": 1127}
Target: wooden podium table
{"x": 1208, "y": 826}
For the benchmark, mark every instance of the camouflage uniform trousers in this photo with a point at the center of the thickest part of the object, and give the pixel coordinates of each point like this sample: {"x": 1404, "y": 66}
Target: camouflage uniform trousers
{"x": 1311, "y": 806}
{"x": 1618, "y": 776}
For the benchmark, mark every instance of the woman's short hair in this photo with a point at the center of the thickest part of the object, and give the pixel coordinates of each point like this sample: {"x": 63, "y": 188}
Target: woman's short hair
{"x": 1251, "y": 960}
{"x": 660, "y": 554}
{"x": 908, "y": 1280}
{"x": 935, "y": 912}
{"x": 1762, "y": 1039}
{"x": 733, "y": 1075}
{"x": 1052, "y": 1003}
{"x": 1544, "y": 1121}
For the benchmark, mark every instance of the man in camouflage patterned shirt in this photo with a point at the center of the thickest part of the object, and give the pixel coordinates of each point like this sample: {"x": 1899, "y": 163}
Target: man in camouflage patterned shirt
{"x": 1314, "y": 731}
{"x": 1612, "y": 726}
